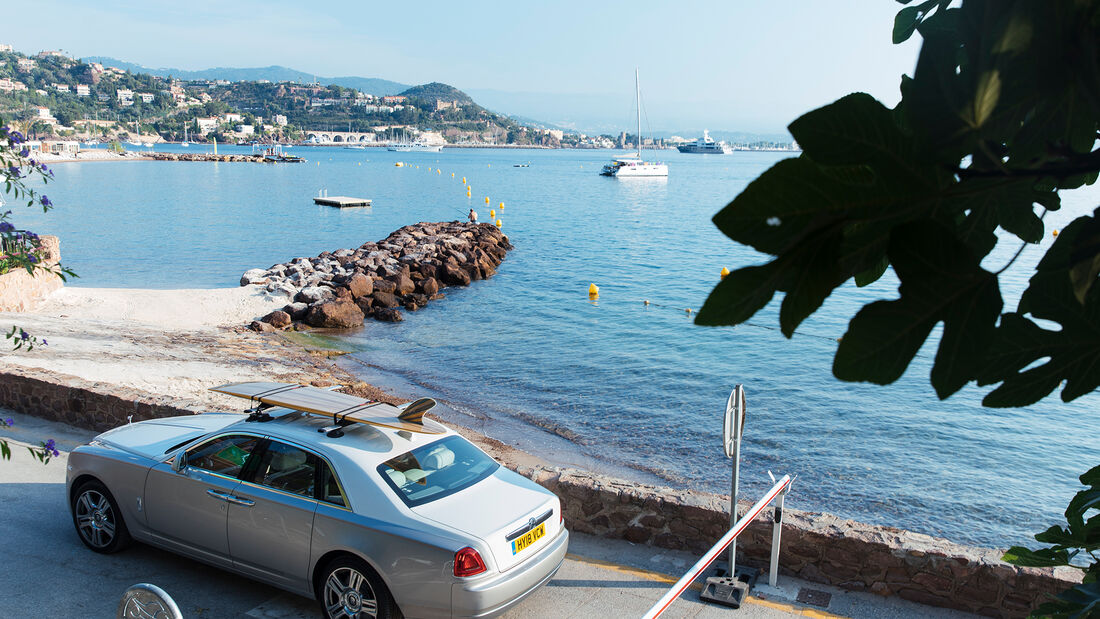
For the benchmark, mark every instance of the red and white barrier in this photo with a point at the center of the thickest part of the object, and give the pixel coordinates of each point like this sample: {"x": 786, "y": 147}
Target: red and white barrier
{"x": 662, "y": 605}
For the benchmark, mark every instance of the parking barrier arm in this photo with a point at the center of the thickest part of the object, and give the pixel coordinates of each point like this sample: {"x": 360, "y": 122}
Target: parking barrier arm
{"x": 780, "y": 488}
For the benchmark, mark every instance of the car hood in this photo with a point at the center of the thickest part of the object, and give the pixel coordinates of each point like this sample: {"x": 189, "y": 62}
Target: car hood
{"x": 495, "y": 508}
{"x": 155, "y": 437}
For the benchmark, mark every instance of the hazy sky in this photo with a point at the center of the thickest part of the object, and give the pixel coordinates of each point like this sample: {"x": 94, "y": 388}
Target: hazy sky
{"x": 735, "y": 65}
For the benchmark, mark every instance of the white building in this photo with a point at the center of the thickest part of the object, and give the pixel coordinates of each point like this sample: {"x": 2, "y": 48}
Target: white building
{"x": 280, "y": 120}
{"x": 4, "y": 47}
{"x": 83, "y": 90}
{"x": 61, "y": 87}
{"x": 42, "y": 113}
{"x": 125, "y": 97}
{"x": 146, "y": 97}
{"x": 246, "y": 129}
{"x": 232, "y": 118}
{"x": 206, "y": 125}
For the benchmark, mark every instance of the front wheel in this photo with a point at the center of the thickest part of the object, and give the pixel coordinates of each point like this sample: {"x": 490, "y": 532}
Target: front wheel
{"x": 97, "y": 519}
{"x": 351, "y": 589}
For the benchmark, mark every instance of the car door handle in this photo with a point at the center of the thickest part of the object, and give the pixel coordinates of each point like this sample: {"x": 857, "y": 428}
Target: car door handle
{"x": 218, "y": 495}
{"x": 239, "y": 501}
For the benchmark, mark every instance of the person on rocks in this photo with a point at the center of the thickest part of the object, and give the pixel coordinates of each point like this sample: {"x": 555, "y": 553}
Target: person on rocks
{"x": 473, "y": 216}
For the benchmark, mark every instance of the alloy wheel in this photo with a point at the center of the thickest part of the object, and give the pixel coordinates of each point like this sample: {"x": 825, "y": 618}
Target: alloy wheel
{"x": 349, "y": 594}
{"x": 95, "y": 518}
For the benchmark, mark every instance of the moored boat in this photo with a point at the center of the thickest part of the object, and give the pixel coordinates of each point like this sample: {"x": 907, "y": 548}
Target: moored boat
{"x": 705, "y": 145}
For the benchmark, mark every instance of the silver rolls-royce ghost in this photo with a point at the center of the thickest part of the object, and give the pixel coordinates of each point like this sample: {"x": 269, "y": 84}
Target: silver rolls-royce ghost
{"x": 369, "y": 521}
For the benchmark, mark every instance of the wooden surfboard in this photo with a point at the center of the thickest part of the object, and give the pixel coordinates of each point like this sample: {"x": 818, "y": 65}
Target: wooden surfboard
{"x": 340, "y": 407}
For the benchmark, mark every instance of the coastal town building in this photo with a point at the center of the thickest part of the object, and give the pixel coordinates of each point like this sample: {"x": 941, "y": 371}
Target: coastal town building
{"x": 67, "y": 147}
{"x": 231, "y": 117}
{"x": 393, "y": 99}
{"x": 25, "y": 64}
{"x": 83, "y": 90}
{"x": 280, "y": 120}
{"x": 9, "y": 85}
{"x": 146, "y": 97}
{"x": 206, "y": 125}
{"x": 52, "y": 54}
{"x": 4, "y": 47}
{"x": 125, "y": 96}
{"x": 246, "y": 129}
{"x": 61, "y": 87}
{"x": 42, "y": 112}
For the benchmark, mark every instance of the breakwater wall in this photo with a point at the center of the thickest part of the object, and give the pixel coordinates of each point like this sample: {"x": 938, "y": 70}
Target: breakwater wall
{"x": 250, "y": 158}
{"x": 19, "y": 290}
{"x": 406, "y": 270}
{"x": 817, "y": 547}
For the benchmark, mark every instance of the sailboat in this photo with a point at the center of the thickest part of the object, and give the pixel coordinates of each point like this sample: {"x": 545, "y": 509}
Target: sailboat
{"x": 622, "y": 167}
{"x": 185, "y": 143}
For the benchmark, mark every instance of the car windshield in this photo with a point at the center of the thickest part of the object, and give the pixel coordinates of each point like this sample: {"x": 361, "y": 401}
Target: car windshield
{"x": 436, "y": 470}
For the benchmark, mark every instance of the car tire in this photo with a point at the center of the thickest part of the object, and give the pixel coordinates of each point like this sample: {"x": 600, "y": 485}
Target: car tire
{"x": 97, "y": 519}
{"x": 349, "y": 588}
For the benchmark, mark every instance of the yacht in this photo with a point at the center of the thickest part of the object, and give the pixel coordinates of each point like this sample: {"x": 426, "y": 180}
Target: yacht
{"x": 706, "y": 144}
{"x": 416, "y": 146}
{"x": 635, "y": 166}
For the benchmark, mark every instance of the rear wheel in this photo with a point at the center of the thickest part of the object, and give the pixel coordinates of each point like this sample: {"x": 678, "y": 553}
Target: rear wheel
{"x": 350, "y": 589}
{"x": 97, "y": 519}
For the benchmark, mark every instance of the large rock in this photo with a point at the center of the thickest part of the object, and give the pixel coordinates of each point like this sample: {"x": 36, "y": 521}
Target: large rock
{"x": 297, "y": 311}
{"x": 428, "y": 286}
{"x": 278, "y": 319}
{"x": 384, "y": 299}
{"x": 315, "y": 294}
{"x": 454, "y": 275}
{"x": 388, "y": 314}
{"x": 335, "y": 314}
{"x": 360, "y": 285}
{"x": 254, "y": 276}
{"x": 402, "y": 285}
{"x": 260, "y": 327}
{"x": 384, "y": 285}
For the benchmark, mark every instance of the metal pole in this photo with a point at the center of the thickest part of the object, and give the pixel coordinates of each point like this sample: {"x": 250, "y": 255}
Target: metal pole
{"x": 777, "y": 530}
{"x": 734, "y": 484}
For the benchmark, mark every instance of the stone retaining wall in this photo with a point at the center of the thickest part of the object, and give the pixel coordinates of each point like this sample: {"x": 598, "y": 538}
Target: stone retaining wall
{"x": 817, "y": 547}
{"x": 20, "y": 290}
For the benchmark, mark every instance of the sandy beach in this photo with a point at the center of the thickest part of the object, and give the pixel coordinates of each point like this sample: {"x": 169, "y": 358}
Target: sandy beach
{"x": 179, "y": 344}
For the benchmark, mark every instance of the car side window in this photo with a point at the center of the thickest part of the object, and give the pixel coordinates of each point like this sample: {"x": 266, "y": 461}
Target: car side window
{"x": 330, "y": 488}
{"x": 287, "y": 468}
{"x": 225, "y": 455}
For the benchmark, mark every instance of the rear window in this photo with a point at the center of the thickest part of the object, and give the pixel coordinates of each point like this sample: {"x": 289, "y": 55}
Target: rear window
{"x": 436, "y": 470}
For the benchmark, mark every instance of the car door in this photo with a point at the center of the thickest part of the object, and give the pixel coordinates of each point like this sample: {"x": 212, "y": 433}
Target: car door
{"x": 271, "y": 523}
{"x": 187, "y": 510}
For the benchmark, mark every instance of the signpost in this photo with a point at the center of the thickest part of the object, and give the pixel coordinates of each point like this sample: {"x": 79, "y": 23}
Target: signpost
{"x": 732, "y": 589}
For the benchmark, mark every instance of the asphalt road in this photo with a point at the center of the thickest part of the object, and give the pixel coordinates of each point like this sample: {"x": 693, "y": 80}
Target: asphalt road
{"x": 45, "y": 570}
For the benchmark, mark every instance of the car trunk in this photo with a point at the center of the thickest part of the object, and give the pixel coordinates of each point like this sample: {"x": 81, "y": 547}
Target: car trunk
{"x": 497, "y": 508}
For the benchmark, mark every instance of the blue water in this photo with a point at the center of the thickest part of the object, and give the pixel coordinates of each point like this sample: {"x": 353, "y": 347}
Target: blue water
{"x": 611, "y": 384}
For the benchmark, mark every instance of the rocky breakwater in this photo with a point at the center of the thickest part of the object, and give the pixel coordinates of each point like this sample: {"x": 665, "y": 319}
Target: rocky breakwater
{"x": 405, "y": 270}
{"x": 206, "y": 157}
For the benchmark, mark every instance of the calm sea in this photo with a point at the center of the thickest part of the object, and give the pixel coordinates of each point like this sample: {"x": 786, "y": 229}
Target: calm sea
{"x": 612, "y": 384}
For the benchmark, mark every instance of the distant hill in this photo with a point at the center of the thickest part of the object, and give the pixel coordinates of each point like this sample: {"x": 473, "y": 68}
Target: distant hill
{"x": 437, "y": 92}
{"x": 274, "y": 73}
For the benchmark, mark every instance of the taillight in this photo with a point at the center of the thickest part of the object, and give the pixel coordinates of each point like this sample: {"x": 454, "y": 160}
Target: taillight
{"x": 468, "y": 562}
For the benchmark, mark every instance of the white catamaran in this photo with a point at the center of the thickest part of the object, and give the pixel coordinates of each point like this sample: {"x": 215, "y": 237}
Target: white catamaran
{"x": 622, "y": 167}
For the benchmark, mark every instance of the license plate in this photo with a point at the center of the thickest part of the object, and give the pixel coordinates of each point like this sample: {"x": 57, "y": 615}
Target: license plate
{"x": 527, "y": 539}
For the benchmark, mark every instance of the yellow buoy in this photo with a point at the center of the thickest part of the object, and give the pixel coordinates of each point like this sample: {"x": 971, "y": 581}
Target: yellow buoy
{"x": 360, "y": 163}
{"x": 499, "y": 224}
{"x": 492, "y": 213}
{"x": 417, "y": 167}
{"x": 1055, "y": 233}
{"x": 593, "y": 290}
{"x": 502, "y": 206}
{"x": 725, "y": 272}
{"x": 463, "y": 180}
{"x": 452, "y": 174}
{"x": 486, "y": 199}
{"x": 438, "y": 171}
{"x": 646, "y": 302}
{"x": 687, "y": 310}
{"x": 489, "y": 165}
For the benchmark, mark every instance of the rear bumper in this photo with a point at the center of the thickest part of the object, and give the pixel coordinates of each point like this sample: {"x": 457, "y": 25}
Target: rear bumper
{"x": 493, "y": 596}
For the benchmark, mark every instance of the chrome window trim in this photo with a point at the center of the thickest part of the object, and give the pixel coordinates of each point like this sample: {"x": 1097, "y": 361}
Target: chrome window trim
{"x": 201, "y": 440}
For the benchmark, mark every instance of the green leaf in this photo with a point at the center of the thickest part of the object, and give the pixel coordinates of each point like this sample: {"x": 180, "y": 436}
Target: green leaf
{"x": 1045, "y": 557}
{"x": 739, "y": 296}
{"x": 870, "y": 276}
{"x": 941, "y": 281}
{"x": 905, "y": 23}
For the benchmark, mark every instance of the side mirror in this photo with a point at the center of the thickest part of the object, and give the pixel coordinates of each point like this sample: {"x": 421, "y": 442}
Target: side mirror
{"x": 180, "y": 461}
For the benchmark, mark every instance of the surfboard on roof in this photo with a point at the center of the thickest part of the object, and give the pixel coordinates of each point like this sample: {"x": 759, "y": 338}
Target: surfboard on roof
{"x": 341, "y": 407}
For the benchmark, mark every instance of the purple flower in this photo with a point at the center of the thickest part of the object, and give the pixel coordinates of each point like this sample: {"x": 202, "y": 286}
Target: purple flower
{"x": 51, "y": 447}
{"x": 23, "y": 335}
{"x": 16, "y": 137}
{"x": 33, "y": 258}
{"x": 46, "y": 201}
{"x": 43, "y": 166}
{"x": 14, "y": 171}
{"x": 5, "y": 226}
{"x": 44, "y": 342}
{"x": 25, "y": 152}
{"x": 9, "y": 422}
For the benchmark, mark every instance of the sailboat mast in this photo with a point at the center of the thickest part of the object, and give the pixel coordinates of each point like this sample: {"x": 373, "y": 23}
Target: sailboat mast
{"x": 638, "y": 93}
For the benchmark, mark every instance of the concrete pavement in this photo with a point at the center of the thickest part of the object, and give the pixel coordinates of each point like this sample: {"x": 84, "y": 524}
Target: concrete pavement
{"x": 46, "y": 570}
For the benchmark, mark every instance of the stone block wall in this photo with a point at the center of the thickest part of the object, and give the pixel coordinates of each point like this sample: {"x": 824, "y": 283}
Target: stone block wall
{"x": 20, "y": 290}
{"x": 817, "y": 547}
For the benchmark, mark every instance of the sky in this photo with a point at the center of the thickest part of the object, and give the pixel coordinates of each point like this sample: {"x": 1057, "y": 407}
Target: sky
{"x": 730, "y": 65}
